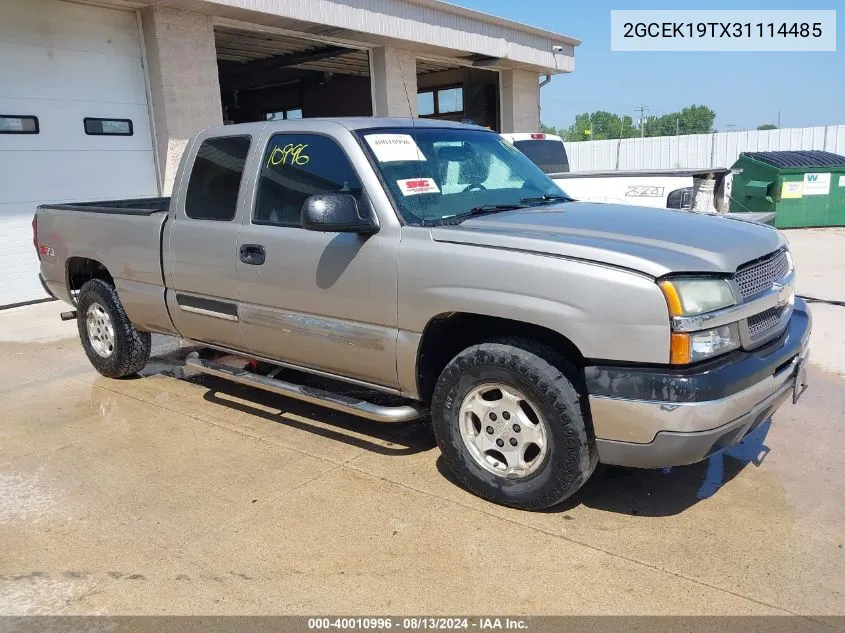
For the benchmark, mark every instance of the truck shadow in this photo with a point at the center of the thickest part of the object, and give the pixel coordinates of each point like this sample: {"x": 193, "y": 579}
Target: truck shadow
{"x": 384, "y": 439}
{"x": 648, "y": 493}
{"x": 659, "y": 493}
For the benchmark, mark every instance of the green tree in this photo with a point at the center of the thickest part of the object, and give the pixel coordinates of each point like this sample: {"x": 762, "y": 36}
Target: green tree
{"x": 548, "y": 129}
{"x": 694, "y": 119}
{"x": 767, "y": 126}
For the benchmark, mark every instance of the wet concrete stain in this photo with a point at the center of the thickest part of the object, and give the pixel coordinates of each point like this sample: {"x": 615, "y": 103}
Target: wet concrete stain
{"x": 76, "y": 575}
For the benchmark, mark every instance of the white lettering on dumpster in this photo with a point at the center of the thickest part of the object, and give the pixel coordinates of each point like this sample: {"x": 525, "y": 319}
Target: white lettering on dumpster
{"x": 816, "y": 184}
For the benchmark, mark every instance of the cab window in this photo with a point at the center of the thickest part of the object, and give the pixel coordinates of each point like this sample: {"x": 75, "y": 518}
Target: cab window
{"x": 216, "y": 178}
{"x": 296, "y": 166}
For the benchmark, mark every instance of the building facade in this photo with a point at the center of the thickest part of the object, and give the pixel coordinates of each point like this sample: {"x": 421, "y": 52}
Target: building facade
{"x": 98, "y": 100}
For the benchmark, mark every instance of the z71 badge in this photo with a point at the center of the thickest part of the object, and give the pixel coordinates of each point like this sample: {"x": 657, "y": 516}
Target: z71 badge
{"x": 643, "y": 191}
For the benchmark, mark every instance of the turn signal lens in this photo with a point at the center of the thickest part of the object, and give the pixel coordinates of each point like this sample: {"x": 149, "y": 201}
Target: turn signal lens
{"x": 672, "y": 298}
{"x": 679, "y": 349}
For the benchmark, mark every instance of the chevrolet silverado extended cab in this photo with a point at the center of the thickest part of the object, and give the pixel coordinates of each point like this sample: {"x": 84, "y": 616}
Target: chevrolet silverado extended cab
{"x": 436, "y": 263}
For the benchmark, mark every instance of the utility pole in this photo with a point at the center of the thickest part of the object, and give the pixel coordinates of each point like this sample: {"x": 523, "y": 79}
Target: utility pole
{"x": 677, "y": 127}
{"x": 778, "y": 118}
{"x": 643, "y": 110}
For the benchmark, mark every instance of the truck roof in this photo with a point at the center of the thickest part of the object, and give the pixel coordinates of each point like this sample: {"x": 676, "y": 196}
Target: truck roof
{"x": 351, "y": 123}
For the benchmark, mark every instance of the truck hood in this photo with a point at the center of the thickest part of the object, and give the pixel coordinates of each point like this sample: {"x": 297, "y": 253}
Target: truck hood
{"x": 652, "y": 241}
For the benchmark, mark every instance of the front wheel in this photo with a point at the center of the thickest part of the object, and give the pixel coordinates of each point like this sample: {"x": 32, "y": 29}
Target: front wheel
{"x": 512, "y": 424}
{"x": 113, "y": 345}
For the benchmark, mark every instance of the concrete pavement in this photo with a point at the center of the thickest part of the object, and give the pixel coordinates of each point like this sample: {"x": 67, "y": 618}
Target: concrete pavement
{"x": 820, "y": 268}
{"x": 182, "y": 494}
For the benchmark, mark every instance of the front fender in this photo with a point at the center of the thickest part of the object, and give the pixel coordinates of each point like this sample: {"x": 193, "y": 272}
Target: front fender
{"x": 606, "y": 312}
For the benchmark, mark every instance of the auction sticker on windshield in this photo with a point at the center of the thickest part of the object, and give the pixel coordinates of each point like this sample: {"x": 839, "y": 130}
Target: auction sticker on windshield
{"x": 389, "y": 148}
{"x": 415, "y": 186}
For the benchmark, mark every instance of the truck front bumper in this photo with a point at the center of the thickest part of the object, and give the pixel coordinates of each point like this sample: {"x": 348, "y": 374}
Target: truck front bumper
{"x": 658, "y": 417}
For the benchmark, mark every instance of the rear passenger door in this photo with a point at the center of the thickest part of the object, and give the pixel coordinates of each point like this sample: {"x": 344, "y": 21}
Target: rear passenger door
{"x": 320, "y": 300}
{"x": 202, "y": 292}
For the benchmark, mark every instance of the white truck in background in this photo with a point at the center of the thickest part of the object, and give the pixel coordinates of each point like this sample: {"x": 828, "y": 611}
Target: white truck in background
{"x": 661, "y": 189}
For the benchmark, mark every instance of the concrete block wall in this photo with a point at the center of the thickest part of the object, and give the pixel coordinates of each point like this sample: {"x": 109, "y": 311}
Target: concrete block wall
{"x": 520, "y": 100}
{"x": 394, "y": 82}
{"x": 184, "y": 87}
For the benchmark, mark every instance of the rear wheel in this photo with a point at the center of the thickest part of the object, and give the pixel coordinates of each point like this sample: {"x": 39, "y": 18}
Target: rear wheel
{"x": 115, "y": 348}
{"x": 512, "y": 424}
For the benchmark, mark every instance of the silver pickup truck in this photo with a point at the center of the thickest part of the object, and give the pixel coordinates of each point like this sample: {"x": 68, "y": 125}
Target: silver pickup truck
{"x": 435, "y": 263}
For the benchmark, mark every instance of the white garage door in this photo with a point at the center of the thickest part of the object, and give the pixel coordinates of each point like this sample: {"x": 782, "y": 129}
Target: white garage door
{"x": 63, "y": 63}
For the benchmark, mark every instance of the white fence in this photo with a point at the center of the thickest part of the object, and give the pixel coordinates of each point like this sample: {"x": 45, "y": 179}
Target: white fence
{"x": 698, "y": 151}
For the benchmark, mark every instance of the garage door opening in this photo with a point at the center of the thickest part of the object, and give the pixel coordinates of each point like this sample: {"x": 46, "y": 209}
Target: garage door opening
{"x": 267, "y": 76}
{"x": 458, "y": 93}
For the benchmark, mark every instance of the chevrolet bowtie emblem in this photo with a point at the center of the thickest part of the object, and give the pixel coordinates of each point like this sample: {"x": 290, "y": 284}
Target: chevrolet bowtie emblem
{"x": 783, "y": 293}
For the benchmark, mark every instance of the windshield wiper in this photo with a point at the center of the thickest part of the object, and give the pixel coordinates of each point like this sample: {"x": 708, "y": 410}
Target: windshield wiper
{"x": 547, "y": 197}
{"x": 481, "y": 210}
{"x": 491, "y": 208}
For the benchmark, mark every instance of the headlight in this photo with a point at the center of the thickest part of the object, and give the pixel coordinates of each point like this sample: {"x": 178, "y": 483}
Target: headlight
{"x": 693, "y": 296}
{"x": 691, "y": 348}
{"x": 688, "y": 297}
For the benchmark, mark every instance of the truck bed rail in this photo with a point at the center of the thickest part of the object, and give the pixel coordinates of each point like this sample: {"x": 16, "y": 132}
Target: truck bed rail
{"x": 132, "y": 206}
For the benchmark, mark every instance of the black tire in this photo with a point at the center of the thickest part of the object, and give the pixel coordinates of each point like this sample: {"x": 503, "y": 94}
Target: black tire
{"x": 553, "y": 386}
{"x": 131, "y": 348}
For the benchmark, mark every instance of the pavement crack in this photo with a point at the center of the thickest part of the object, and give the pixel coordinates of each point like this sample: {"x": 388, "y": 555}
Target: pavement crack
{"x": 568, "y": 539}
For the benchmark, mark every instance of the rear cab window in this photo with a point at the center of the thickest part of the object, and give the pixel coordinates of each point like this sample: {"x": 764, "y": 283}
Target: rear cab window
{"x": 549, "y": 155}
{"x": 216, "y": 178}
{"x": 296, "y": 166}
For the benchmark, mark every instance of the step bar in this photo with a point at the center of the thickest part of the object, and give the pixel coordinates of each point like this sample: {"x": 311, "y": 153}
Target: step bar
{"x": 336, "y": 401}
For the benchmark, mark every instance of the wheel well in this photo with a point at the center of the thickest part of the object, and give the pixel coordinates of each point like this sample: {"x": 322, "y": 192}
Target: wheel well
{"x": 82, "y": 269}
{"x": 446, "y": 335}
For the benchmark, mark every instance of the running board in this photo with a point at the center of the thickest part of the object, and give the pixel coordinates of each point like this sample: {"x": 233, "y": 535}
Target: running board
{"x": 336, "y": 401}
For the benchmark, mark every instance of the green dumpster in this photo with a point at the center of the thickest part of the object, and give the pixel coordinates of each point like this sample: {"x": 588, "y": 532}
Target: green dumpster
{"x": 802, "y": 188}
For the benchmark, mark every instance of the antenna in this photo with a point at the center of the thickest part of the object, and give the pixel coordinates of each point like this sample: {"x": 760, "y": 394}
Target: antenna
{"x": 405, "y": 87}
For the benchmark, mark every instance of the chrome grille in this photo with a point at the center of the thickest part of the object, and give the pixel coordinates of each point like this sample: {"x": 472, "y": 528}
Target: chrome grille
{"x": 761, "y": 323}
{"x": 757, "y": 277}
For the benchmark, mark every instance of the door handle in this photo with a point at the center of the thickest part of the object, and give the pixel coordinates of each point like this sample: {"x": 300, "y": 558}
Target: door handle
{"x": 252, "y": 254}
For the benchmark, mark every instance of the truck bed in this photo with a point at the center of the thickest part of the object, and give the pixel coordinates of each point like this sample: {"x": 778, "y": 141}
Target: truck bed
{"x": 131, "y": 206}
{"x": 122, "y": 236}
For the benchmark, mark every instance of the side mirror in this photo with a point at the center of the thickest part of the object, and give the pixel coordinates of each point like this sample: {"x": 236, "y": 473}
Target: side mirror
{"x": 335, "y": 213}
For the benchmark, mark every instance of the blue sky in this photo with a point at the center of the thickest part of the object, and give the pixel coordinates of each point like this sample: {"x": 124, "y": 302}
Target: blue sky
{"x": 744, "y": 89}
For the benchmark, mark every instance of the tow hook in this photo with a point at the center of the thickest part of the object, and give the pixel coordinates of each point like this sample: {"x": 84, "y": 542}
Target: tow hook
{"x": 68, "y": 316}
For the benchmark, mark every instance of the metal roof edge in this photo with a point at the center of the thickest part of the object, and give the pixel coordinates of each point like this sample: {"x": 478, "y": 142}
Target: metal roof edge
{"x": 493, "y": 19}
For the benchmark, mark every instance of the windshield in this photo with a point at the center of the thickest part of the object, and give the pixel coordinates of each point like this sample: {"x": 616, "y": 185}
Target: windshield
{"x": 438, "y": 175}
{"x": 550, "y": 156}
